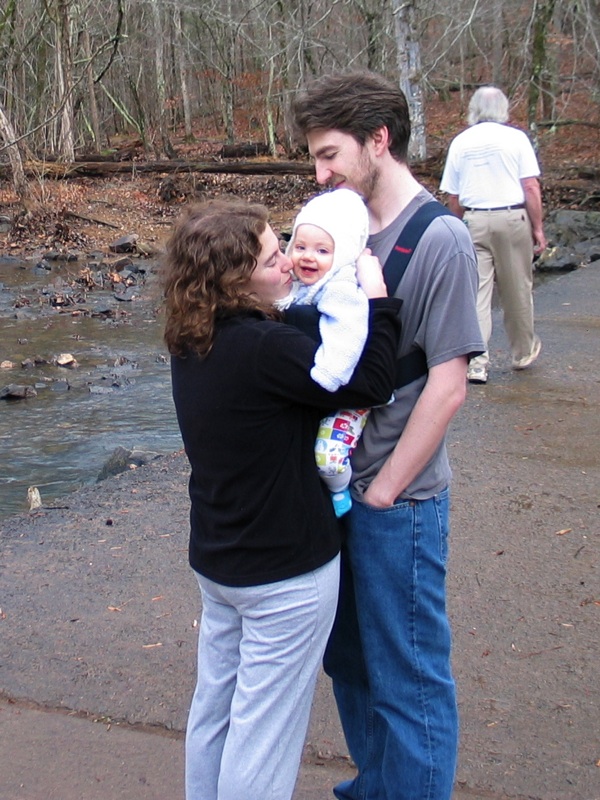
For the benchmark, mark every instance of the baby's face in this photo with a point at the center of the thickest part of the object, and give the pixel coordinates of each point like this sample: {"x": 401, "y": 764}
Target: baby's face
{"x": 311, "y": 253}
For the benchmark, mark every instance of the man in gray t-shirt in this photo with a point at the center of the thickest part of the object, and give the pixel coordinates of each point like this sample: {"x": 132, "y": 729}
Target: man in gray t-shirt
{"x": 389, "y": 652}
{"x": 437, "y": 318}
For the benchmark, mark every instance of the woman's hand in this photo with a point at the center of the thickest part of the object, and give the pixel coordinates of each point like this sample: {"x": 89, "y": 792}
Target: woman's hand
{"x": 370, "y": 275}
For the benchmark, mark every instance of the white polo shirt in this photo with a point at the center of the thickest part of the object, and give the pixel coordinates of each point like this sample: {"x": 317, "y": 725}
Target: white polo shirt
{"x": 485, "y": 166}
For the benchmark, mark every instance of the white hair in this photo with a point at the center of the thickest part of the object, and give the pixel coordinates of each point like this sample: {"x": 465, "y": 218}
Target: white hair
{"x": 488, "y": 104}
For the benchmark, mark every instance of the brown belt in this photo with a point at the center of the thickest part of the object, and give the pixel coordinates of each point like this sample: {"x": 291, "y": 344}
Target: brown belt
{"x": 497, "y": 208}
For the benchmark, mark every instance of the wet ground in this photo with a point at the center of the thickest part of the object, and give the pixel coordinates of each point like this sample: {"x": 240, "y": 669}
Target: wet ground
{"x": 116, "y": 395}
{"x": 99, "y": 609}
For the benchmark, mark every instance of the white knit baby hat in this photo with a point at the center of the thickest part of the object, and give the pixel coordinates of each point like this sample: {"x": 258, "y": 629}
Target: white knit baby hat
{"x": 343, "y": 215}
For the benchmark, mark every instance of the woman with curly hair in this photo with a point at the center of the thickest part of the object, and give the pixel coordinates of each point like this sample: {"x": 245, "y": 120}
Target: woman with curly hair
{"x": 264, "y": 540}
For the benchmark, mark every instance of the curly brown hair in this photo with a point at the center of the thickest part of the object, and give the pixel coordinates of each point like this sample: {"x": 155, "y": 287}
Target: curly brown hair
{"x": 210, "y": 257}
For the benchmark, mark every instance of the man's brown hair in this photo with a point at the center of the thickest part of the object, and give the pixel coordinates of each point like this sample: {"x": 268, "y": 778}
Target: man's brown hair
{"x": 358, "y": 103}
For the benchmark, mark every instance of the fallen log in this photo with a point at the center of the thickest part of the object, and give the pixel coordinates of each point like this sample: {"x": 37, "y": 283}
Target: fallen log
{"x": 96, "y": 169}
{"x": 558, "y": 123}
{"x": 94, "y": 220}
{"x": 244, "y": 150}
{"x": 579, "y": 184}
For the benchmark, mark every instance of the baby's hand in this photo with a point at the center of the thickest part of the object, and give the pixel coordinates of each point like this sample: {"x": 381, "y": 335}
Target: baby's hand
{"x": 370, "y": 275}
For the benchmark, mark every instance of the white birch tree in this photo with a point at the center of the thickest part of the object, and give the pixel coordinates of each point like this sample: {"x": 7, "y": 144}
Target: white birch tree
{"x": 409, "y": 67}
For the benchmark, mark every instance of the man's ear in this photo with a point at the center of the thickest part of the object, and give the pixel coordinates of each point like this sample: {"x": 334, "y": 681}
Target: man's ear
{"x": 380, "y": 140}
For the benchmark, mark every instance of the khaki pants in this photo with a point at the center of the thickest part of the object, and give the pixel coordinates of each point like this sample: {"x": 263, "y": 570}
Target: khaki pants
{"x": 504, "y": 247}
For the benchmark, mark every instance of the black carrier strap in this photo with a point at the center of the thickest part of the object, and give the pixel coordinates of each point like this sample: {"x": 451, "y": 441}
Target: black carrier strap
{"x": 414, "y": 364}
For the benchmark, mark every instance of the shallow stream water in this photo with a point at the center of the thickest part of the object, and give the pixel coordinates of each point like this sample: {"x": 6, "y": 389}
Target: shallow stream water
{"x": 118, "y": 395}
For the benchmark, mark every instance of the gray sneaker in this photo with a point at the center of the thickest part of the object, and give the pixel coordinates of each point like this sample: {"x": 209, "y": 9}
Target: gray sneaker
{"x": 523, "y": 363}
{"x": 477, "y": 374}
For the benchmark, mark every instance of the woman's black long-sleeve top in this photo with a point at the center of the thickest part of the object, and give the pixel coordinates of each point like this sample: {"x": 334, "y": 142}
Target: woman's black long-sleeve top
{"x": 249, "y": 414}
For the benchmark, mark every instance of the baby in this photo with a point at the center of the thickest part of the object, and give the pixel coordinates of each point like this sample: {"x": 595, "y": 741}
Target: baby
{"x": 329, "y": 234}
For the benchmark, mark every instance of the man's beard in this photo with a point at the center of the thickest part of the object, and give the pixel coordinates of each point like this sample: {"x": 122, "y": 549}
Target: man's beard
{"x": 369, "y": 182}
{"x": 365, "y": 182}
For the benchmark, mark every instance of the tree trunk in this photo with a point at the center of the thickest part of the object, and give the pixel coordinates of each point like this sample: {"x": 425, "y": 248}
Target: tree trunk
{"x": 94, "y": 120}
{"x": 372, "y": 21}
{"x": 93, "y": 169}
{"x": 271, "y": 134}
{"x": 409, "y": 66}
{"x": 497, "y": 44}
{"x": 19, "y": 181}
{"x": 7, "y": 22}
{"x": 64, "y": 75}
{"x": 543, "y": 11}
{"x": 228, "y": 88}
{"x": 283, "y": 73}
{"x": 183, "y": 78}
{"x": 165, "y": 145}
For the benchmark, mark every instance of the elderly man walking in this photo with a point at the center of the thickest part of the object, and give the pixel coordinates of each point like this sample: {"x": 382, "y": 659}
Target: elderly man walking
{"x": 491, "y": 177}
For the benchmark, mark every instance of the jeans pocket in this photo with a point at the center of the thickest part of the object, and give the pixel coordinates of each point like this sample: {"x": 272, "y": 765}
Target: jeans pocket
{"x": 441, "y": 508}
{"x": 398, "y": 505}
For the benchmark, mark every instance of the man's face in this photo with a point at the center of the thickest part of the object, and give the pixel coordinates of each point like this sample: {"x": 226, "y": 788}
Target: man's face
{"x": 340, "y": 161}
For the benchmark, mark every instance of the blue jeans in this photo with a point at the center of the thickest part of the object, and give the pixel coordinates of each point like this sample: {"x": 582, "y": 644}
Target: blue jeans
{"x": 389, "y": 653}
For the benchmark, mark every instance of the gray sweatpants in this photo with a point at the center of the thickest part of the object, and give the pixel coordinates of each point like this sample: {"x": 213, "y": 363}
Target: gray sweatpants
{"x": 259, "y": 652}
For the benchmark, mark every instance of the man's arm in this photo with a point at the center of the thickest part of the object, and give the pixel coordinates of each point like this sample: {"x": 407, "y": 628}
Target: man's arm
{"x": 442, "y": 396}
{"x": 454, "y": 206}
{"x": 533, "y": 205}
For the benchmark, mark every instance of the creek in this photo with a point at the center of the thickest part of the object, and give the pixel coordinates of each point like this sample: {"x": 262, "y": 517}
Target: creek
{"x": 118, "y": 395}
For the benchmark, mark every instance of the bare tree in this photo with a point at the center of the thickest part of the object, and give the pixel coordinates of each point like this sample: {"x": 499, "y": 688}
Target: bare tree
{"x": 409, "y": 66}
{"x": 91, "y": 89}
{"x": 61, "y": 15}
{"x": 18, "y": 175}
{"x": 539, "y": 81}
{"x": 165, "y": 145}
{"x": 233, "y": 66}
{"x": 216, "y": 45}
{"x": 373, "y": 20}
{"x": 182, "y": 64}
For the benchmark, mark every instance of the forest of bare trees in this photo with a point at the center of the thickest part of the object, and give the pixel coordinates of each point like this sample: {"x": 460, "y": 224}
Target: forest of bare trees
{"x": 77, "y": 74}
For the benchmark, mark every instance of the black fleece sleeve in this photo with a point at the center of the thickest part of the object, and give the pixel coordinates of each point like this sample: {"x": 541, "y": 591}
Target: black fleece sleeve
{"x": 286, "y": 358}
